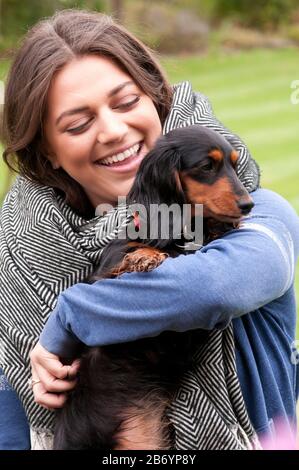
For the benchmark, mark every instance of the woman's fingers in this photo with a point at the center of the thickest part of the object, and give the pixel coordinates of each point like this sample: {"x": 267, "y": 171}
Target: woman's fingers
{"x": 55, "y": 378}
{"x": 74, "y": 368}
{"x": 39, "y": 356}
{"x": 51, "y": 383}
{"x": 46, "y": 399}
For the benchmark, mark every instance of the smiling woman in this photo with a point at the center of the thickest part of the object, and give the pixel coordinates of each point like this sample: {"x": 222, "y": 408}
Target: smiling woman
{"x": 85, "y": 101}
{"x": 84, "y": 123}
{"x": 99, "y": 135}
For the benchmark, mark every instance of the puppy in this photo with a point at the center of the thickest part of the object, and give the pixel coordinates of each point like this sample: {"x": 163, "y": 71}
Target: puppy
{"x": 123, "y": 390}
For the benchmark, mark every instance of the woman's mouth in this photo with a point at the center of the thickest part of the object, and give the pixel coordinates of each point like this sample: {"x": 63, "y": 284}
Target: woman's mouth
{"x": 125, "y": 161}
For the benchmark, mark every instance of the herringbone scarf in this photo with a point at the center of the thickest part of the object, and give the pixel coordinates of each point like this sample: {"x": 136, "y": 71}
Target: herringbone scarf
{"x": 45, "y": 247}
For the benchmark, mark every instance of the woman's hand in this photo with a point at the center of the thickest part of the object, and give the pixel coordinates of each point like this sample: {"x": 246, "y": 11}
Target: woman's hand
{"x": 55, "y": 378}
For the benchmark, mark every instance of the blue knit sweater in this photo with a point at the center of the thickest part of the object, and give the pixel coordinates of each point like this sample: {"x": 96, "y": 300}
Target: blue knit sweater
{"x": 246, "y": 277}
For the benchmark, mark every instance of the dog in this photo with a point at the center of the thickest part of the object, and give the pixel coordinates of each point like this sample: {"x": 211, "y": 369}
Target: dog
{"x": 123, "y": 390}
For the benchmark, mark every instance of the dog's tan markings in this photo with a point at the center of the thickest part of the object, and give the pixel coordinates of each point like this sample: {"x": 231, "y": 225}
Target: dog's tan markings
{"x": 195, "y": 191}
{"x": 217, "y": 199}
{"x": 137, "y": 245}
{"x": 226, "y": 200}
{"x": 234, "y": 157}
{"x": 143, "y": 259}
{"x": 217, "y": 155}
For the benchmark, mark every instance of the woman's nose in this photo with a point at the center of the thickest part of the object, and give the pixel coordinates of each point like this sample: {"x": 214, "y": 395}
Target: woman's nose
{"x": 111, "y": 129}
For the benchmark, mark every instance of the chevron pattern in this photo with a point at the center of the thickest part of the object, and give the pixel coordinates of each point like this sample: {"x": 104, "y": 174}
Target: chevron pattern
{"x": 208, "y": 411}
{"x": 45, "y": 247}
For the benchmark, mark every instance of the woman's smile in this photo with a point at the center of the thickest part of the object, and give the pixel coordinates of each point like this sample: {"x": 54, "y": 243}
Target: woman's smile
{"x": 126, "y": 160}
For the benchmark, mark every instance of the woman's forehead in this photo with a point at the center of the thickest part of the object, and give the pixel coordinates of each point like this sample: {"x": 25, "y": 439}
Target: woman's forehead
{"x": 87, "y": 78}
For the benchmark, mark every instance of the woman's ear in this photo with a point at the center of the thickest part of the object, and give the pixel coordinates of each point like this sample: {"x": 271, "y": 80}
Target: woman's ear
{"x": 53, "y": 160}
{"x": 50, "y": 155}
{"x": 55, "y": 166}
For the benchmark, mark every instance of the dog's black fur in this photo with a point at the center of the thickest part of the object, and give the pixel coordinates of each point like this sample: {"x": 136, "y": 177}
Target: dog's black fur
{"x": 137, "y": 379}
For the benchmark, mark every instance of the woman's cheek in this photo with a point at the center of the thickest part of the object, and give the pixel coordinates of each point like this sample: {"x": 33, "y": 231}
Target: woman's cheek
{"x": 76, "y": 147}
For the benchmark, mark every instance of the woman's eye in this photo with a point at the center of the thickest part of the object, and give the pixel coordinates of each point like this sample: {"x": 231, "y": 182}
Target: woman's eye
{"x": 125, "y": 105}
{"x": 74, "y": 130}
{"x": 129, "y": 103}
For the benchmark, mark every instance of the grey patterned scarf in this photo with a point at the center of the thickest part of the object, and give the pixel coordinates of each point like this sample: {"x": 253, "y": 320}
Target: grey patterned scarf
{"x": 45, "y": 247}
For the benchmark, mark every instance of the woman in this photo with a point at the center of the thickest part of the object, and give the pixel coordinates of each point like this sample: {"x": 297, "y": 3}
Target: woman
{"x": 83, "y": 90}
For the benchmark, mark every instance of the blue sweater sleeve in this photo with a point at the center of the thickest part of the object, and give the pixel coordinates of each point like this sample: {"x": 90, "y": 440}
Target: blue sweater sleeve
{"x": 231, "y": 276}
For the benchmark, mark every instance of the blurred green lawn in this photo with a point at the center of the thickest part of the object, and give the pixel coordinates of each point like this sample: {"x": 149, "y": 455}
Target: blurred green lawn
{"x": 250, "y": 93}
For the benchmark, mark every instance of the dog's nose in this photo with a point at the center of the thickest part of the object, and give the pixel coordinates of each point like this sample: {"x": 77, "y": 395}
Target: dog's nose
{"x": 245, "y": 206}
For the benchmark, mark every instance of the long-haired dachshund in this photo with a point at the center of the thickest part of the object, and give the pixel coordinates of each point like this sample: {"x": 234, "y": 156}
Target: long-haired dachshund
{"x": 123, "y": 390}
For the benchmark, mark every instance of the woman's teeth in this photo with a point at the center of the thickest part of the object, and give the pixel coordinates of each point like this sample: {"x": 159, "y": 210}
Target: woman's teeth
{"x": 119, "y": 157}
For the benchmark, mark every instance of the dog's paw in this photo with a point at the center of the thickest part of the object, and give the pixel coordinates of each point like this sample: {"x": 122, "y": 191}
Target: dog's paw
{"x": 142, "y": 260}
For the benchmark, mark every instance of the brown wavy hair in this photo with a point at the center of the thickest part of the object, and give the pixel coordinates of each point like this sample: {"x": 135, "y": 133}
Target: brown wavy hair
{"x": 47, "y": 47}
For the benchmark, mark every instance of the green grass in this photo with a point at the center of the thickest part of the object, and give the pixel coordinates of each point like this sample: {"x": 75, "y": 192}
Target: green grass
{"x": 250, "y": 93}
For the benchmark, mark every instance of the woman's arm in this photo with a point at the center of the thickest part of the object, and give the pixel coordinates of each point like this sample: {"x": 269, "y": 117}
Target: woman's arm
{"x": 234, "y": 275}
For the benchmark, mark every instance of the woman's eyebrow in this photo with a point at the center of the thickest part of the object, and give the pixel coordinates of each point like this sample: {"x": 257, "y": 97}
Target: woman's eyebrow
{"x": 111, "y": 93}
{"x": 119, "y": 88}
{"x": 70, "y": 112}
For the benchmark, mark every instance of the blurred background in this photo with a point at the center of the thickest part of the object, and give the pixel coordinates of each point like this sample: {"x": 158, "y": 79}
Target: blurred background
{"x": 243, "y": 55}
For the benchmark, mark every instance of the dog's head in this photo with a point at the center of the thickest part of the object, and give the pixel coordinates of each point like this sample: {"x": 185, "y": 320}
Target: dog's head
{"x": 193, "y": 165}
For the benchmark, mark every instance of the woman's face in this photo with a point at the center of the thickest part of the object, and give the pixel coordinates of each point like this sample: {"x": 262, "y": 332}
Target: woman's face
{"x": 99, "y": 126}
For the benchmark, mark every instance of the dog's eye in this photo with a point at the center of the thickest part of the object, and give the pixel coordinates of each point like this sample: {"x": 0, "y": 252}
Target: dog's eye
{"x": 209, "y": 166}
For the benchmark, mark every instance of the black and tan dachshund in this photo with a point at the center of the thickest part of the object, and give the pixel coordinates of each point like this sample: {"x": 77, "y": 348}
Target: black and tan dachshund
{"x": 123, "y": 390}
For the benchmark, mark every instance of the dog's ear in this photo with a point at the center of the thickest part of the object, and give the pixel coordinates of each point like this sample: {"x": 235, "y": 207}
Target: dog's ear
{"x": 157, "y": 185}
{"x": 157, "y": 180}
